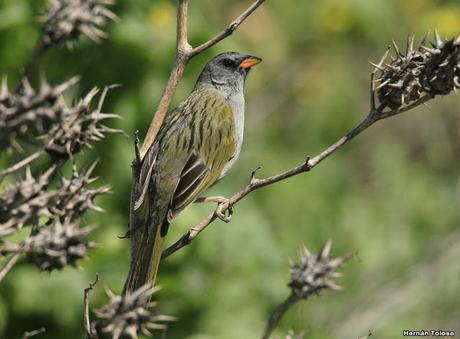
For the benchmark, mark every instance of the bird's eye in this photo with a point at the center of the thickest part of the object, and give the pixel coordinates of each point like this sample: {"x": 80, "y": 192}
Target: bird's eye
{"x": 227, "y": 63}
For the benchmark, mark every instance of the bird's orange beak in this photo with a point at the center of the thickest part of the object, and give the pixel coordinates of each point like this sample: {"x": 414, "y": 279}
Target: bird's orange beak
{"x": 250, "y": 62}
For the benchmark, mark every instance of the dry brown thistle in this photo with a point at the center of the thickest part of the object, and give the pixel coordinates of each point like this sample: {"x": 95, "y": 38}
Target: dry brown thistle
{"x": 66, "y": 20}
{"x": 129, "y": 315}
{"x": 417, "y": 75}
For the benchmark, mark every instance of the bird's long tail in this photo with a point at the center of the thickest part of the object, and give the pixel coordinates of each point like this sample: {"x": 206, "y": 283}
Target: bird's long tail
{"x": 146, "y": 258}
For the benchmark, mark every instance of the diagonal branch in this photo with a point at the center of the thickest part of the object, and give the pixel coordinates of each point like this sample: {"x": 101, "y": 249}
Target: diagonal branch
{"x": 9, "y": 265}
{"x": 229, "y": 30}
{"x": 255, "y": 183}
{"x": 182, "y": 56}
{"x": 24, "y": 162}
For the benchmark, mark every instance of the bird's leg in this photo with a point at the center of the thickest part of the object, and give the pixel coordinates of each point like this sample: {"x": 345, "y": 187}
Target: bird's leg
{"x": 222, "y": 208}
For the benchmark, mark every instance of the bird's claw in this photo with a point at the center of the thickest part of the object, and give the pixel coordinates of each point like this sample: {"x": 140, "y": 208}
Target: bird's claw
{"x": 224, "y": 211}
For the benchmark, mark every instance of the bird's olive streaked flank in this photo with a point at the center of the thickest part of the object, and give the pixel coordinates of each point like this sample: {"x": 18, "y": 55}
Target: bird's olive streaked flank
{"x": 196, "y": 146}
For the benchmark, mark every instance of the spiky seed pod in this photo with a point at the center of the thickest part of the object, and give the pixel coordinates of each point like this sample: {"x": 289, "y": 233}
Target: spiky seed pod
{"x": 24, "y": 201}
{"x": 74, "y": 198}
{"x": 400, "y": 79}
{"x": 79, "y": 125}
{"x": 57, "y": 246}
{"x": 66, "y": 20}
{"x": 129, "y": 315}
{"x": 425, "y": 71}
{"x": 315, "y": 272}
{"x": 442, "y": 67}
{"x": 30, "y": 113}
{"x": 27, "y": 199}
{"x": 53, "y": 247}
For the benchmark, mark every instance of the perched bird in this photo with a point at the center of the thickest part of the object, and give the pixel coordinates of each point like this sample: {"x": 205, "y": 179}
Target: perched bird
{"x": 196, "y": 146}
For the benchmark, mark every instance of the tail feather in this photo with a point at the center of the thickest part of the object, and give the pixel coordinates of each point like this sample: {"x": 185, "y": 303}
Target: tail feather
{"x": 145, "y": 259}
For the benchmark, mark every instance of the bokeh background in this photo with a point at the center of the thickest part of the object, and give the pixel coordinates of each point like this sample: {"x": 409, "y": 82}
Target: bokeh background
{"x": 392, "y": 195}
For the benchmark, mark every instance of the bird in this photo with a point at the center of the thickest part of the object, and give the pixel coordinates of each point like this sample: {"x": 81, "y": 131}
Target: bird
{"x": 197, "y": 144}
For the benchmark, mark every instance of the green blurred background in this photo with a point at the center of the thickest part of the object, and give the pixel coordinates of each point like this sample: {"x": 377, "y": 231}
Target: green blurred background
{"x": 392, "y": 194}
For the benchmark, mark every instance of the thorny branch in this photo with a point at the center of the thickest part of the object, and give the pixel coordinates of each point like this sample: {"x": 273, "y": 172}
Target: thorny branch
{"x": 405, "y": 82}
{"x": 64, "y": 22}
{"x": 40, "y": 117}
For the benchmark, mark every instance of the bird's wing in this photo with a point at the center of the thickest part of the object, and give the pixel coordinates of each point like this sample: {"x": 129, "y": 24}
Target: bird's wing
{"x": 213, "y": 145}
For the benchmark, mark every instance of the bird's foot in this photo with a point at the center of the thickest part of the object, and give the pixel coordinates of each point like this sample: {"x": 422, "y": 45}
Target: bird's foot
{"x": 224, "y": 210}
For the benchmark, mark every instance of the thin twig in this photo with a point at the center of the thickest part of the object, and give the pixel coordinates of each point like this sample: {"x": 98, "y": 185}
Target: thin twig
{"x": 24, "y": 162}
{"x": 229, "y": 30}
{"x": 88, "y": 330}
{"x": 278, "y": 314}
{"x": 9, "y": 265}
{"x": 33, "y": 333}
{"x": 184, "y": 52}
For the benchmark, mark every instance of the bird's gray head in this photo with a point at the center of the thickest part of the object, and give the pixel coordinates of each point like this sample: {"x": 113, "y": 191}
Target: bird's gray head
{"x": 227, "y": 71}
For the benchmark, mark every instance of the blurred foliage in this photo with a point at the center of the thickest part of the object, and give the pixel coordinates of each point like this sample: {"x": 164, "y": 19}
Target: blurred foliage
{"x": 392, "y": 194}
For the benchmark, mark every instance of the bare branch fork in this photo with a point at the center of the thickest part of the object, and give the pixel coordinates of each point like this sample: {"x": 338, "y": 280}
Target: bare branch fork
{"x": 406, "y": 82}
{"x": 185, "y": 52}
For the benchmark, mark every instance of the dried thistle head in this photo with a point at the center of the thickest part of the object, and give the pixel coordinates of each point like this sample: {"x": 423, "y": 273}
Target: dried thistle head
{"x": 315, "y": 272}
{"x": 24, "y": 201}
{"x": 418, "y": 74}
{"x": 66, "y": 20}
{"x": 57, "y": 246}
{"x": 78, "y": 126}
{"x": 53, "y": 247}
{"x": 442, "y": 70}
{"x": 30, "y": 113}
{"x": 129, "y": 315}
{"x": 74, "y": 198}
{"x": 43, "y": 115}
{"x": 28, "y": 199}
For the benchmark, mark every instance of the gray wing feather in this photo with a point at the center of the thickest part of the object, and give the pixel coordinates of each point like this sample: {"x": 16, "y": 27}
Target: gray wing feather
{"x": 193, "y": 173}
